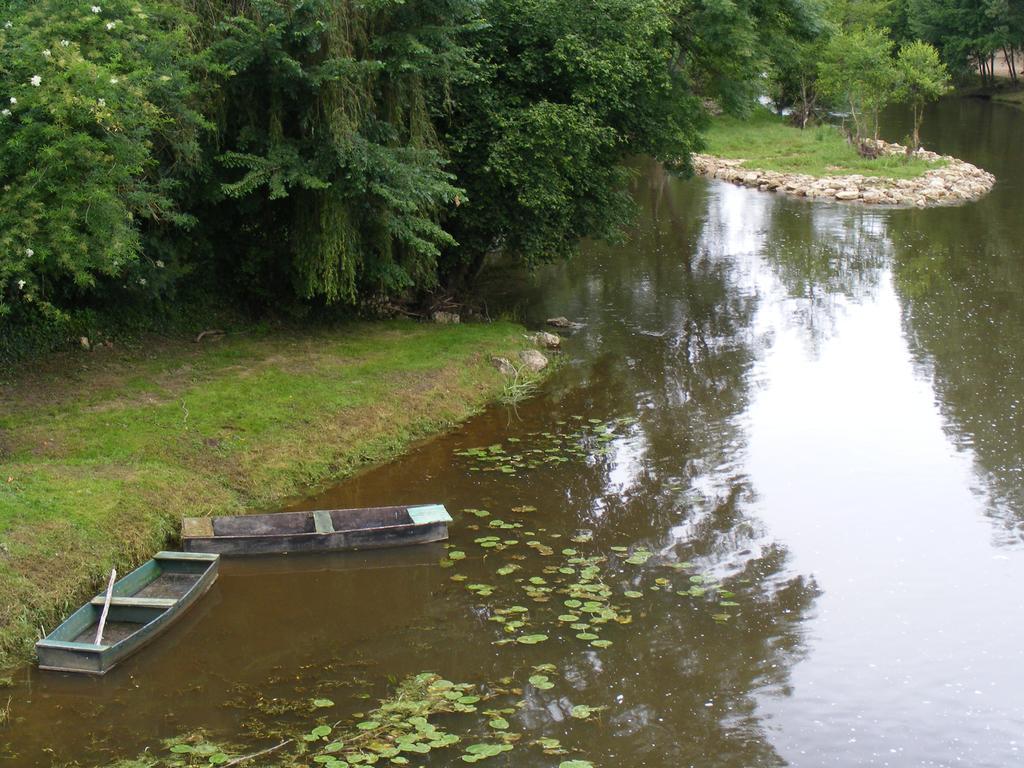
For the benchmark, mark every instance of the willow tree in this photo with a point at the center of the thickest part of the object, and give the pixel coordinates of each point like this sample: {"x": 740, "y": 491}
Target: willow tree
{"x": 331, "y": 178}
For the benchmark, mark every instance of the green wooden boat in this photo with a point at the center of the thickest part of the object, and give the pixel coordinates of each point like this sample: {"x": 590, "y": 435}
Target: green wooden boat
{"x": 144, "y": 603}
{"x": 321, "y": 530}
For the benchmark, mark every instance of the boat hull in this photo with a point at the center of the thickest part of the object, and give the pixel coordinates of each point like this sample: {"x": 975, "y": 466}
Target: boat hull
{"x": 60, "y": 651}
{"x": 319, "y": 531}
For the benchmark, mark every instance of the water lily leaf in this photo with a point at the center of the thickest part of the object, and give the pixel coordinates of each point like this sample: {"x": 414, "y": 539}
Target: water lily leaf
{"x": 633, "y": 594}
{"x": 334, "y": 746}
{"x": 367, "y": 725}
{"x": 575, "y": 764}
{"x": 581, "y": 711}
{"x": 568, "y": 617}
{"x": 218, "y": 758}
{"x": 542, "y": 682}
{"x": 601, "y": 643}
{"x": 182, "y": 749}
{"x": 587, "y": 636}
{"x": 531, "y": 639}
{"x": 456, "y": 555}
{"x": 639, "y": 557}
{"x": 319, "y": 703}
{"x": 498, "y": 724}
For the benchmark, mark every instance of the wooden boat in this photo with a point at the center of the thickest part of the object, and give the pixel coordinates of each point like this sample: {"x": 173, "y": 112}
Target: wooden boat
{"x": 323, "y": 530}
{"x": 143, "y": 604}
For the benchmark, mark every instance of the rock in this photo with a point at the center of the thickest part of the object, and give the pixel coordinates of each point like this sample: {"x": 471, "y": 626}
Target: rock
{"x": 563, "y": 322}
{"x": 533, "y": 360}
{"x": 504, "y": 366}
{"x": 545, "y": 339}
{"x": 445, "y": 318}
{"x": 847, "y": 194}
{"x": 84, "y": 342}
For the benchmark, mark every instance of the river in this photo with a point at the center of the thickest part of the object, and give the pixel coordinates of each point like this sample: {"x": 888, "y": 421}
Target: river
{"x": 788, "y": 440}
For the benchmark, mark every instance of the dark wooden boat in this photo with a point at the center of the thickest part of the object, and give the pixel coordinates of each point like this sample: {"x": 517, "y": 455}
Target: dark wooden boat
{"x": 322, "y": 530}
{"x": 144, "y": 603}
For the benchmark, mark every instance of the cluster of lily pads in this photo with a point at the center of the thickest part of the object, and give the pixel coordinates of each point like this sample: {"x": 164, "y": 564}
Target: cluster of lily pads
{"x": 403, "y": 728}
{"x": 575, "y": 594}
{"x": 585, "y": 439}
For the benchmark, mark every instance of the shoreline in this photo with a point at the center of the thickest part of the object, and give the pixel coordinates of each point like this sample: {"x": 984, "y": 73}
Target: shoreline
{"x": 102, "y": 453}
{"x": 953, "y": 183}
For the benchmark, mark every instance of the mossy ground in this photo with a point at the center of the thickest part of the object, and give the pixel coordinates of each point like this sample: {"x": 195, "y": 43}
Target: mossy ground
{"x": 103, "y": 453}
{"x": 767, "y": 142}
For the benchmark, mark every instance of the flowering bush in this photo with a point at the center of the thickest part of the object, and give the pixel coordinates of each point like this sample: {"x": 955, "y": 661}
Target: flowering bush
{"x": 97, "y": 129}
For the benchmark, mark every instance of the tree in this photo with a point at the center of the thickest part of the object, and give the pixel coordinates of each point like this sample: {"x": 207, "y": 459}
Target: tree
{"x": 857, "y": 70}
{"x": 922, "y": 77}
{"x": 562, "y": 94}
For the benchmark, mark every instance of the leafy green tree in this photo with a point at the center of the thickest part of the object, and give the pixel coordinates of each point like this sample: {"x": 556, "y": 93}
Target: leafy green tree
{"x": 969, "y": 33}
{"x": 922, "y": 77}
{"x": 857, "y": 70}
{"x": 562, "y": 94}
{"x": 331, "y": 176}
{"x": 99, "y": 130}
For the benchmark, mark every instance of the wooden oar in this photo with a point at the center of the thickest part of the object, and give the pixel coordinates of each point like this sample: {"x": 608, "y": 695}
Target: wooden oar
{"x": 106, "y": 607}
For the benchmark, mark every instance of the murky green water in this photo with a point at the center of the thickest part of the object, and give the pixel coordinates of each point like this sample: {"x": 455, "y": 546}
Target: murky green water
{"x": 808, "y": 414}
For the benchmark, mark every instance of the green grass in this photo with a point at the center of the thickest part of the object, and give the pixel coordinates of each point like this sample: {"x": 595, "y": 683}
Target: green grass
{"x": 103, "y": 453}
{"x": 767, "y": 142}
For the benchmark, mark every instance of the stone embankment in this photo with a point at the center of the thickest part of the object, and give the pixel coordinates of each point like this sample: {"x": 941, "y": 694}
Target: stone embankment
{"x": 952, "y": 182}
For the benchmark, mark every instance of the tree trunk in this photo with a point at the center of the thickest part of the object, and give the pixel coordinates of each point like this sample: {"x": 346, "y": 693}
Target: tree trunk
{"x": 918, "y": 112}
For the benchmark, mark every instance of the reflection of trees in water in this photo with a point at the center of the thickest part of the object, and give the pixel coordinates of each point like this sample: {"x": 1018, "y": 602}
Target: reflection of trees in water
{"x": 670, "y": 327}
{"x": 822, "y": 254}
{"x": 959, "y": 276}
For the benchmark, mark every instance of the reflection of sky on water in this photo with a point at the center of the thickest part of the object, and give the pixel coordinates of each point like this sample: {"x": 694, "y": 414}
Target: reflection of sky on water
{"x": 911, "y": 659}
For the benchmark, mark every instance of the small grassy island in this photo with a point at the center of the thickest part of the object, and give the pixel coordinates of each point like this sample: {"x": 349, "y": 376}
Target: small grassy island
{"x": 765, "y": 152}
{"x": 767, "y": 141}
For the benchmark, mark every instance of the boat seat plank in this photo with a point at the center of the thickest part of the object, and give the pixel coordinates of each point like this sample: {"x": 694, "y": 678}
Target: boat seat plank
{"x": 429, "y": 513}
{"x": 137, "y": 602}
{"x": 66, "y": 645}
{"x": 196, "y": 527}
{"x": 323, "y": 522}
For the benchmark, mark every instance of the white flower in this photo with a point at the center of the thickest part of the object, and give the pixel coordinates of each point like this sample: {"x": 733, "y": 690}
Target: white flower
{"x": 113, "y": 81}
{"x": 111, "y": 25}
{"x": 101, "y": 102}
{"x": 65, "y": 43}
{"x": 29, "y": 252}
{"x": 8, "y": 25}
{"x": 159, "y": 264}
{"x": 21, "y": 285}
{"x": 96, "y": 9}
{"x": 13, "y": 100}
{"x": 5, "y": 112}
{"x": 142, "y": 281}
{"x": 46, "y": 53}
{"x": 36, "y": 80}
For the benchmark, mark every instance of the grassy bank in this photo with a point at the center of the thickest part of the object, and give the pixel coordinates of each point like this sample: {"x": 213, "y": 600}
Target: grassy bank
{"x": 1013, "y": 98}
{"x": 767, "y": 142}
{"x": 103, "y": 453}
